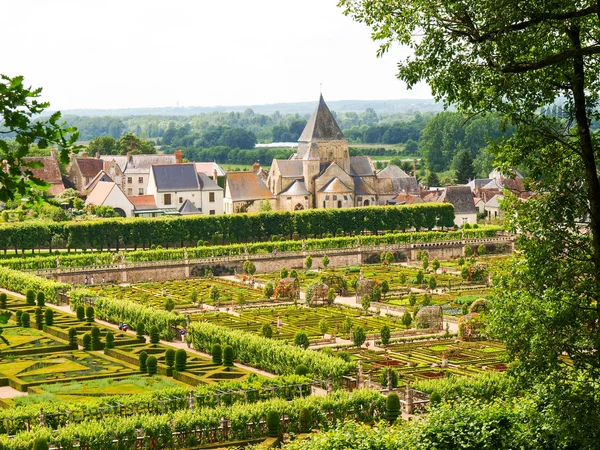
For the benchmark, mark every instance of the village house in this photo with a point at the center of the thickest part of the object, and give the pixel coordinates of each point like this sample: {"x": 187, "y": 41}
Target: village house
{"x": 50, "y": 173}
{"x": 464, "y": 205}
{"x": 244, "y": 191}
{"x": 83, "y": 170}
{"x": 108, "y": 193}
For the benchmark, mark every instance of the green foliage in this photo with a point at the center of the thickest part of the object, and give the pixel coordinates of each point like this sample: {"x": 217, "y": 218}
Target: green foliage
{"x": 96, "y": 338}
{"x": 386, "y": 334}
{"x": 468, "y": 250}
{"x": 358, "y": 336}
{"x": 30, "y": 298}
{"x": 80, "y": 311}
{"x": 420, "y": 277}
{"x": 154, "y": 335}
{"x": 283, "y": 273}
{"x": 385, "y": 287}
{"x": 392, "y": 407}
{"x": 169, "y": 304}
{"x": 273, "y": 424}
{"x": 41, "y": 299}
{"x": 308, "y": 262}
{"x": 217, "y": 354}
{"x": 249, "y": 267}
{"x": 460, "y": 261}
{"x": 331, "y": 295}
{"x": 268, "y": 290}
{"x": 384, "y": 378}
{"x": 366, "y": 302}
{"x": 180, "y": 360}
{"x": 215, "y": 294}
{"x": 406, "y": 318}
{"x": 323, "y": 327}
{"x": 481, "y": 250}
{"x": 194, "y": 296}
{"x": 480, "y": 306}
{"x": 110, "y": 341}
{"x": 143, "y": 359}
{"x": 465, "y": 171}
{"x": 89, "y": 314}
{"x": 18, "y": 316}
{"x": 435, "y": 398}
{"x": 3, "y": 299}
{"x": 228, "y": 356}
{"x": 170, "y": 357}
{"x": 40, "y": 444}
{"x": 267, "y": 331}
{"x": 325, "y": 261}
{"x": 425, "y": 261}
{"x": 387, "y": 257}
{"x": 139, "y": 332}
{"x": 87, "y": 341}
{"x": 49, "y": 317}
{"x": 301, "y": 370}
{"x": 301, "y": 340}
{"x": 306, "y": 420}
{"x": 294, "y": 273}
{"x": 152, "y": 365}
{"x": 25, "y": 320}
{"x": 432, "y": 283}
{"x": 73, "y": 336}
{"x": 435, "y": 265}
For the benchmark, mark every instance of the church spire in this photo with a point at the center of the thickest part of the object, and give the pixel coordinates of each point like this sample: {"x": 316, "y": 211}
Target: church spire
{"x": 321, "y": 126}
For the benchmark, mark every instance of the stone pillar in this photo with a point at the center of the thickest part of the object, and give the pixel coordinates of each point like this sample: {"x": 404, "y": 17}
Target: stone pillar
{"x": 329, "y": 385}
{"x": 444, "y": 360}
{"x": 360, "y": 374}
{"x": 42, "y": 418}
{"x": 279, "y": 322}
{"x": 186, "y": 262}
{"x": 123, "y": 271}
{"x": 409, "y": 399}
{"x": 389, "y": 380}
{"x": 191, "y": 400}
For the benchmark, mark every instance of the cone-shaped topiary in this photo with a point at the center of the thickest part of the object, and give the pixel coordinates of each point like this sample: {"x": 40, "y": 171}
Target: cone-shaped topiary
{"x": 154, "y": 335}
{"x": 273, "y": 424}
{"x": 180, "y": 360}
{"x": 301, "y": 370}
{"x": 228, "y": 356}
{"x": 152, "y": 365}
{"x": 87, "y": 341}
{"x": 73, "y": 337}
{"x": 19, "y": 315}
{"x": 110, "y": 341}
{"x": 39, "y": 318}
{"x": 305, "y": 420}
{"x": 143, "y": 359}
{"x": 89, "y": 314}
{"x": 96, "y": 344}
{"x": 49, "y": 317}
{"x": 41, "y": 299}
{"x": 3, "y": 299}
{"x": 392, "y": 407}
{"x": 139, "y": 332}
{"x": 80, "y": 311}
{"x": 170, "y": 357}
{"x": 30, "y": 298}
{"x": 25, "y": 320}
{"x": 217, "y": 354}
{"x": 40, "y": 444}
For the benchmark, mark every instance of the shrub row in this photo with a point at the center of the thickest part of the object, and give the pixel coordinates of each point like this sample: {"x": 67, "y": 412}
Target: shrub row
{"x": 122, "y": 432}
{"x": 104, "y": 258}
{"x": 166, "y": 231}
{"x": 134, "y": 314}
{"x": 16, "y": 281}
{"x": 257, "y": 351}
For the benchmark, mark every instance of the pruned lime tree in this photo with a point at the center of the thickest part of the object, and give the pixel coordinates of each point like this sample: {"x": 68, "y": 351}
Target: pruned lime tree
{"x": 20, "y": 130}
{"x": 525, "y": 61}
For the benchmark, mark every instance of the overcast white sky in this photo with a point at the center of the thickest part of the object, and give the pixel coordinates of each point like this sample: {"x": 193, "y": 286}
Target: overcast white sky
{"x": 145, "y": 53}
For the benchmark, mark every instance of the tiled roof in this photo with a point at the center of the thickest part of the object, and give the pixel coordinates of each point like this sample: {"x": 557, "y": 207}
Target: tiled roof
{"x": 392, "y": 171}
{"x": 409, "y": 199}
{"x": 478, "y": 182}
{"x": 175, "y": 177}
{"x": 90, "y": 167}
{"x": 50, "y": 173}
{"x": 207, "y": 184}
{"x": 120, "y": 160}
{"x": 361, "y": 166}
{"x": 100, "y": 193}
{"x": 142, "y": 163}
{"x": 102, "y": 176}
{"x": 335, "y": 186}
{"x": 290, "y": 168}
{"x": 143, "y": 201}
{"x": 208, "y": 168}
{"x": 321, "y": 125}
{"x": 401, "y": 184}
{"x": 296, "y": 188}
{"x": 494, "y": 202}
{"x": 461, "y": 197}
{"x": 493, "y": 184}
{"x": 188, "y": 208}
{"x": 362, "y": 188}
{"x": 247, "y": 186}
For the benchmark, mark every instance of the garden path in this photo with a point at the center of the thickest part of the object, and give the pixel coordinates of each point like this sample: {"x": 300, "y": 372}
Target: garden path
{"x": 8, "y": 392}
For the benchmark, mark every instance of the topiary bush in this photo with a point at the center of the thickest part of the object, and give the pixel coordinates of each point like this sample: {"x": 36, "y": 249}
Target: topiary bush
{"x": 170, "y": 360}
{"x": 25, "y": 320}
{"x": 80, "y": 311}
{"x": 39, "y": 318}
{"x": 435, "y": 398}
{"x": 152, "y": 365}
{"x": 154, "y": 335}
{"x": 89, "y": 314}
{"x": 41, "y": 299}
{"x": 40, "y": 444}
{"x": 180, "y": 360}
{"x": 87, "y": 341}
{"x": 383, "y": 378}
{"x": 392, "y": 407}
{"x": 169, "y": 304}
{"x": 3, "y": 299}
{"x": 273, "y": 424}
{"x": 49, "y": 317}
{"x": 228, "y": 356}
{"x": 143, "y": 358}
{"x": 18, "y": 315}
{"x": 139, "y": 332}
{"x": 305, "y": 420}
{"x": 267, "y": 331}
{"x": 217, "y": 354}
{"x": 301, "y": 340}
{"x": 110, "y": 341}
{"x": 301, "y": 370}
{"x": 96, "y": 344}
{"x": 73, "y": 337}
{"x": 30, "y": 298}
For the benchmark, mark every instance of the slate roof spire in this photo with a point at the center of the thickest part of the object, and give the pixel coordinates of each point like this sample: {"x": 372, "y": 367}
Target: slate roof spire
{"x": 321, "y": 126}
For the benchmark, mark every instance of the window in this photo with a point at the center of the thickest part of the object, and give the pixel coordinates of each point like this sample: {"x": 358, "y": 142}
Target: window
{"x": 323, "y": 203}
{"x": 212, "y": 212}
{"x": 180, "y": 199}
{"x": 335, "y": 197}
{"x": 141, "y": 191}
{"x": 289, "y": 198}
{"x": 129, "y": 180}
{"x": 129, "y": 191}
{"x": 327, "y": 197}
{"x": 346, "y": 197}
{"x": 359, "y": 199}
{"x": 211, "y": 196}
{"x": 167, "y": 199}
{"x": 141, "y": 180}
{"x": 339, "y": 203}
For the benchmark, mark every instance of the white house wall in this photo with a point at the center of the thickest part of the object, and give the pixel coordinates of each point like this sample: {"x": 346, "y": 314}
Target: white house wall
{"x": 117, "y": 199}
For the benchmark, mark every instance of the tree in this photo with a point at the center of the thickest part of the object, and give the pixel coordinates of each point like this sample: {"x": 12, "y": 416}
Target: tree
{"x": 325, "y": 261}
{"x": 406, "y": 318}
{"x": 420, "y": 276}
{"x": 481, "y": 250}
{"x": 387, "y": 258}
{"x": 217, "y": 354}
{"x": 152, "y": 365}
{"x": 228, "y": 356}
{"x": 432, "y": 283}
{"x": 435, "y": 265}
{"x": 131, "y": 144}
{"x": 301, "y": 340}
{"x": 249, "y": 267}
{"x": 30, "y": 298}
{"x": 366, "y": 302}
{"x": 283, "y": 273}
{"x": 425, "y": 262}
{"x": 268, "y": 290}
{"x": 20, "y": 112}
{"x": 465, "y": 171}
{"x": 104, "y": 145}
{"x": 412, "y": 299}
{"x": 180, "y": 360}
{"x": 323, "y": 326}
{"x": 385, "y": 288}
{"x": 215, "y": 293}
{"x": 49, "y": 317}
{"x": 267, "y": 331}
{"x": 264, "y": 206}
{"x": 331, "y": 295}
{"x": 308, "y": 262}
{"x": 154, "y": 335}
{"x": 433, "y": 180}
{"x": 40, "y": 299}
{"x": 385, "y": 335}
{"x": 359, "y": 336}
{"x": 194, "y": 296}
{"x": 89, "y": 314}
{"x": 169, "y": 304}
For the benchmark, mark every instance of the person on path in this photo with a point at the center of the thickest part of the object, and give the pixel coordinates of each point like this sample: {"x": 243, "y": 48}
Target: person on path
{"x": 85, "y": 281}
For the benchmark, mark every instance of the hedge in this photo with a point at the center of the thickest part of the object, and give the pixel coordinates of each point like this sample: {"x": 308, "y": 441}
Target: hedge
{"x": 105, "y": 258}
{"x": 16, "y": 281}
{"x": 257, "y": 351}
{"x": 116, "y": 311}
{"x": 116, "y": 233}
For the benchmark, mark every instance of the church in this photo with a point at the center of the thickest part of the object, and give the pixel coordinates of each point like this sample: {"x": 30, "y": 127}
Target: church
{"x": 322, "y": 174}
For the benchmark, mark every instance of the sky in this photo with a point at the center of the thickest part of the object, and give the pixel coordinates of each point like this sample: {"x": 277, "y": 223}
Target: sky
{"x": 148, "y": 53}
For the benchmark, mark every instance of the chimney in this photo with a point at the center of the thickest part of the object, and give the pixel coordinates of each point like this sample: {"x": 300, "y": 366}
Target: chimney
{"x": 97, "y": 155}
{"x": 256, "y": 166}
{"x": 215, "y": 175}
{"x": 406, "y": 191}
{"x": 179, "y": 156}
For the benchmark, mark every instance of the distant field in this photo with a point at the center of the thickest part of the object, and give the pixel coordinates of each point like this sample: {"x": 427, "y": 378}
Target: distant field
{"x": 241, "y": 167}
